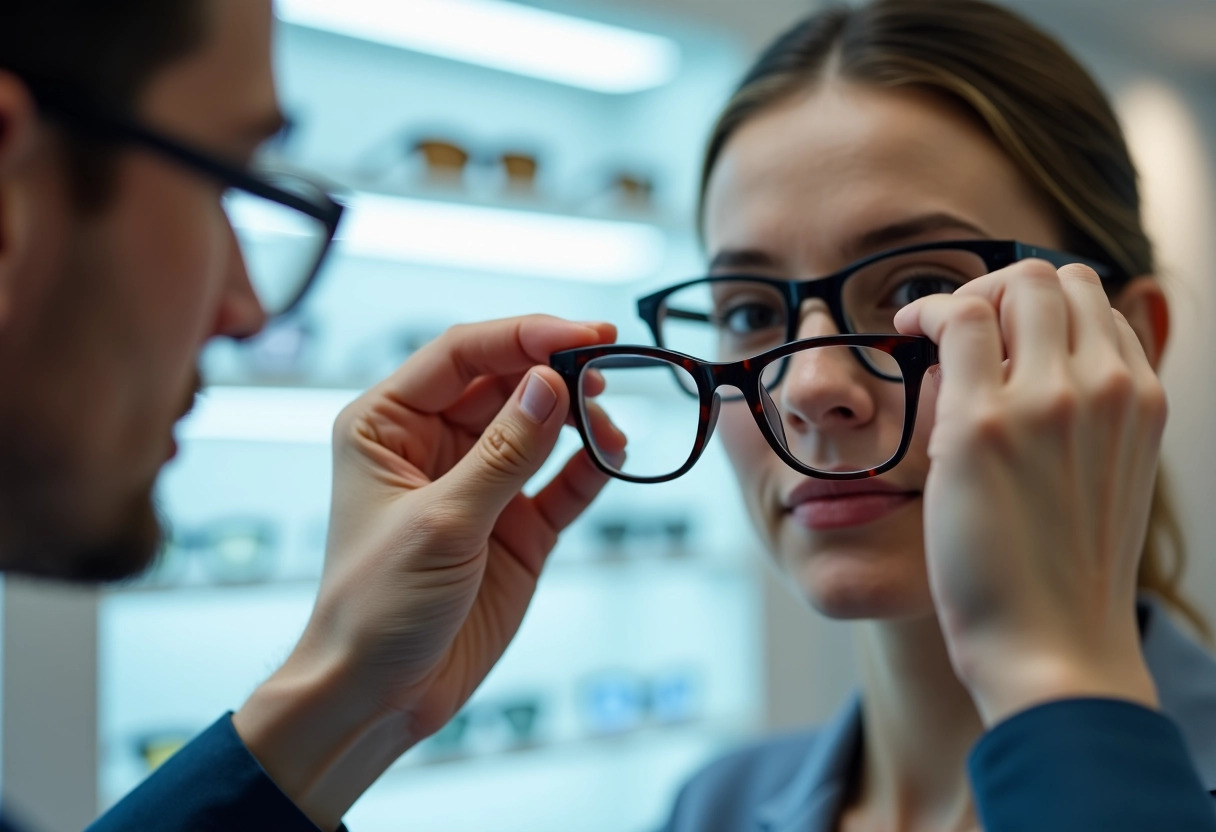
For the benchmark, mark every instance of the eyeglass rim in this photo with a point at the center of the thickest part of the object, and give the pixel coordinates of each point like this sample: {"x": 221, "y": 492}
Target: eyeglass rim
{"x": 83, "y": 113}
{"x": 915, "y": 354}
{"x": 996, "y": 254}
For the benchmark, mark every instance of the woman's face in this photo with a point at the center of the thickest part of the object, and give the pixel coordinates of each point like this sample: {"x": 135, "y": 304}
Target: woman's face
{"x": 801, "y": 190}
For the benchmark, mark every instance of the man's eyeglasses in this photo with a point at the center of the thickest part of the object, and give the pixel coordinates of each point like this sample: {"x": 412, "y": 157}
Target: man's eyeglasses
{"x": 730, "y": 317}
{"x": 794, "y": 393}
{"x": 284, "y": 223}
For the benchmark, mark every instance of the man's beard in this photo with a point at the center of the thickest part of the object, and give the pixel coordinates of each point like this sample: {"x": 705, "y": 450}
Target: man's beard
{"x": 38, "y": 537}
{"x": 131, "y": 550}
{"x": 44, "y": 549}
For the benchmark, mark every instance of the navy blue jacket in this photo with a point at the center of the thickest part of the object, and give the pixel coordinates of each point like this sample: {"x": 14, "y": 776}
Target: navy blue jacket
{"x": 1086, "y": 764}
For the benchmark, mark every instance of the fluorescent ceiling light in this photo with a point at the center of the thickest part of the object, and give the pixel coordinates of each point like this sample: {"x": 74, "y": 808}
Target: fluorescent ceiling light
{"x": 502, "y": 35}
{"x": 507, "y": 242}
{"x": 266, "y": 414}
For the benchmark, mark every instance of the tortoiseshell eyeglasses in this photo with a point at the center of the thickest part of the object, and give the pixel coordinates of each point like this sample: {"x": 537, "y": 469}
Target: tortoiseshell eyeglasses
{"x": 818, "y": 401}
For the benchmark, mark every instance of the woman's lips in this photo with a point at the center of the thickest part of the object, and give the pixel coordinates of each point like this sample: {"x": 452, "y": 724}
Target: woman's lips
{"x": 822, "y": 505}
{"x": 846, "y": 512}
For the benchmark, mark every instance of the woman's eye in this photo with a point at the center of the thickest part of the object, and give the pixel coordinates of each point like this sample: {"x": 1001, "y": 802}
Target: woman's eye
{"x": 914, "y": 288}
{"x": 748, "y": 318}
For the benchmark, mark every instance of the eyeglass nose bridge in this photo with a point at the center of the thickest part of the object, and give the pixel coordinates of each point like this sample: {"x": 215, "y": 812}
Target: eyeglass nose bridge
{"x": 829, "y": 289}
{"x": 745, "y": 376}
{"x": 913, "y": 354}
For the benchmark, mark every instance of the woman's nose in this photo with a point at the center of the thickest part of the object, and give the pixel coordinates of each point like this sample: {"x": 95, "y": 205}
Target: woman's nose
{"x": 823, "y": 388}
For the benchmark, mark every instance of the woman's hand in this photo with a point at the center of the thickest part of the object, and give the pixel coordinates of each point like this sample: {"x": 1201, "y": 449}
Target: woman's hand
{"x": 432, "y": 558}
{"x": 1043, "y": 462}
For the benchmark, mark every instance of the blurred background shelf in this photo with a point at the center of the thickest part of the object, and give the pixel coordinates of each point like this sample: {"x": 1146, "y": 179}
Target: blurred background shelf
{"x": 606, "y": 570}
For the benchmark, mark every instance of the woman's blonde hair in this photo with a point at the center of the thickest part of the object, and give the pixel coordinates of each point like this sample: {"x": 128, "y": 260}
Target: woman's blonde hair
{"x": 1041, "y": 107}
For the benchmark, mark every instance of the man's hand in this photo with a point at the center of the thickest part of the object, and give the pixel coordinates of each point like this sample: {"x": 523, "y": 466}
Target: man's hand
{"x": 433, "y": 555}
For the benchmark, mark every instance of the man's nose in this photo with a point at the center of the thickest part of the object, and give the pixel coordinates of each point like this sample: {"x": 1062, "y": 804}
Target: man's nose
{"x": 241, "y": 314}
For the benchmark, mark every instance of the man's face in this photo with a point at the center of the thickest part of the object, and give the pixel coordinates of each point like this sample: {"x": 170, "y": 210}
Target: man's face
{"x": 103, "y": 315}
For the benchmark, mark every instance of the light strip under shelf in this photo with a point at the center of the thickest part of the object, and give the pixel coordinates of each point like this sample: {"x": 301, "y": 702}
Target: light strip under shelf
{"x": 306, "y": 415}
{"x": 502, "y": 35}
{"x": 265, "y": 414}
{"x": 498, "y": 240}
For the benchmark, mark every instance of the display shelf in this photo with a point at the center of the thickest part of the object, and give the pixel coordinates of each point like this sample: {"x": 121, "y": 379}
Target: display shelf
{"x": 515, "y": 200}
{"x": 721, "y": 728}
{"x": 185, "y": 590}
{"x": 578, "y": 136}
{"x": 347, "y": 389}
{"x": 594, "y": 567}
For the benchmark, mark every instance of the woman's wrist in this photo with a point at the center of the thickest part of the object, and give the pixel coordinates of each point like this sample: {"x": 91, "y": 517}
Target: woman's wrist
{"x": 320, "y": 738}
{"x": 1001, "y": 689}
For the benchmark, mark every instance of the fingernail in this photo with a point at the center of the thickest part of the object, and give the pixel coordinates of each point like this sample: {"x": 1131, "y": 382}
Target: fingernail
{"x": 615, "y": 460}
{"x": 538, "y": 400}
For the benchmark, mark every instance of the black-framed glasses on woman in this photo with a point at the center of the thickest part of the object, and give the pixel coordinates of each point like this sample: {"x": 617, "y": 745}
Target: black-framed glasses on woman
{"x": 642, "y": 392}
{"x": 283, "y": 221}
{"x": 729, "y": 317}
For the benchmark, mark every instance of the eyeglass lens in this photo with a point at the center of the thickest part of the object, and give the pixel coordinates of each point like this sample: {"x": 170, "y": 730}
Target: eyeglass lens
{"x": 821, "y": 404}
{"x": 647, "y": 399}
{"x": 281, "y": 246}
{"x": 729, "y": 320}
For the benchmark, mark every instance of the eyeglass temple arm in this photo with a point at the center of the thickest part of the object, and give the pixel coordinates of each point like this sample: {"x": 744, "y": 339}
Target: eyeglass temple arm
{"x": 1060, "y": 259}
{"x": 686, "y": 315}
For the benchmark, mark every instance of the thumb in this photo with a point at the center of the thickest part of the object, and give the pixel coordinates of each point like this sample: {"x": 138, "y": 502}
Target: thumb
{"x": 511, "y": 449}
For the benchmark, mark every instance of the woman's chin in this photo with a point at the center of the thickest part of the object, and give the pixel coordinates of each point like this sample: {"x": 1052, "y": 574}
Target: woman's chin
{"x": 849, "y": 586}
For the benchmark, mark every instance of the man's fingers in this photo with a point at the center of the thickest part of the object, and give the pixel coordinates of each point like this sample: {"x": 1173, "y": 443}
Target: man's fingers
{"x": 608, "y": 439}
{"x": 570, "y": 492}
{"x": 481, "y": 401}
{"x": 438, "y": 374}
{"x": 510, "y": 450}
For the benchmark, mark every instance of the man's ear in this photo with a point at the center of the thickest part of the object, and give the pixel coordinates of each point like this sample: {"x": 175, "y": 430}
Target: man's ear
{"x": 18, "y": 121}
{"x": 1143, "y": 303}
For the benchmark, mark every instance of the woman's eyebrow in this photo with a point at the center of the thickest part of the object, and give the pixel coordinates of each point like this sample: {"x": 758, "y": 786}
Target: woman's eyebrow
{"x": 875, "y": 240}
{"x": 905, "y": 231}
{"x": 742, "y": 259}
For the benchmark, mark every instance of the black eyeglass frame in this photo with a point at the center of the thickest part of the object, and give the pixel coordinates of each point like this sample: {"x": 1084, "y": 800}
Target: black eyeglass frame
{"x": 996, "y": 254}
{"x": 915, "y": 354}
{"x": 85, "y": 115}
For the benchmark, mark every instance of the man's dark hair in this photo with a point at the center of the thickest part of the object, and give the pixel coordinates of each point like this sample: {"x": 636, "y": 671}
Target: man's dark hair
{"x": 105, "y": 50}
